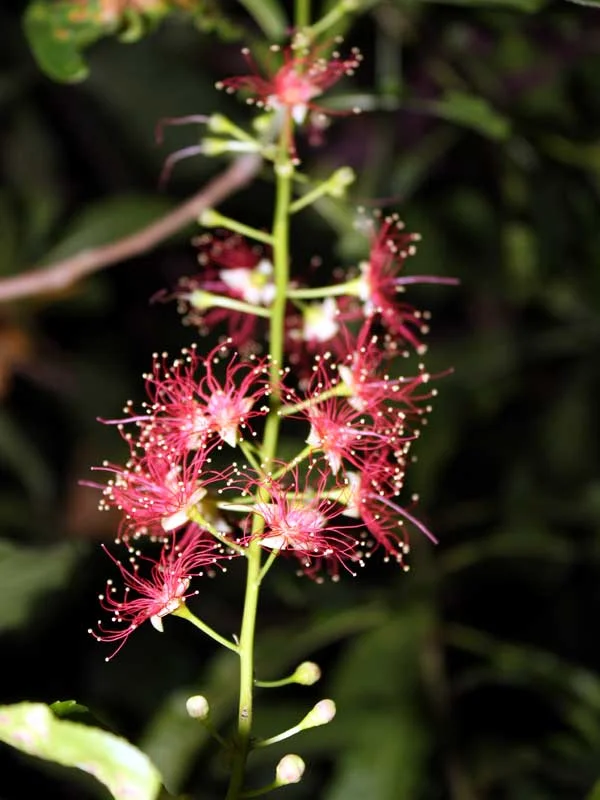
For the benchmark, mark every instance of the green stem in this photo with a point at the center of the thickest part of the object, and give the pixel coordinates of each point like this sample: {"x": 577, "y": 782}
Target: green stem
{"x": 268, "y": 16}
{"x": 284, "y": 172}
{"x": 212, "y": 219}
{"x": 195, "y": 516}
{"x": 260, "y": 792}
{"x": 184, "y": 613}
{"x": 337, "y": 13}
{"x": 268, "y": 564}
{"x": 352, "y": 287}
{"x": 302, "y": 14}
{"x": 246, "y": 449}
{"x": 339, "y": 390}
{"x": 297, "y": 459}
{"x": 203, "y": 300}
{"x": 246, "y": 651}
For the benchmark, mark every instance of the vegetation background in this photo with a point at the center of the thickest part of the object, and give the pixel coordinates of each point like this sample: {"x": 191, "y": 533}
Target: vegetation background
{"x": 475, "y": 675}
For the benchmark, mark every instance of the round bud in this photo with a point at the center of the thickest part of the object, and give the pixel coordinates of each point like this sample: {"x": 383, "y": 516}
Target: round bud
{"x": 307, "y": 673}
{"x": 289, "y": 770}
{"x": 197, "y": 706}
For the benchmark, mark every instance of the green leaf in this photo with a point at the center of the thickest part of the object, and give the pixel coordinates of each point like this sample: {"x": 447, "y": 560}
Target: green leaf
{"x": 18, "y": 452}
{"x": 60, "y": 30}
{"x": 387, "y": 737}
{"x": 27, "y": 574}
{"x": 595, "y": 793}
{"x": 57, "y": 32}
{"x": 108, "y": 220}
{"x": 127, "y": 773}
{"x": 471, "y": 112}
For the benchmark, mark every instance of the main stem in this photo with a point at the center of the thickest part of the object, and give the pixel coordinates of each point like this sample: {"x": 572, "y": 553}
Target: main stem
{"x": 283, "y": 175}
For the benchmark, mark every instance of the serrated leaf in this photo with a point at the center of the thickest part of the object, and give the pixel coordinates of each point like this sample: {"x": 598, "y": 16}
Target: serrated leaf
{"x": 29, "y": 573}
{"x": 472, "y": 112}
{"x": 126, "y": 772}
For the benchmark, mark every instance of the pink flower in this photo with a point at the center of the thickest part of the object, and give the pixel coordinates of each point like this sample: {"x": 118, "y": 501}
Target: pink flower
{"x": 154, "y": 489}
{"x": 337, "y": 429}
{"x": 397, "y": 402}
{"x": 380, "y": 283}
{"x": 231, "y": 268}
{"x": 302, "y": 77}
{"x": 369, "y": 497}
{"x": 190, "y": 404}
{"x": 300, "y": 520}
{"x": 162, "y": 592}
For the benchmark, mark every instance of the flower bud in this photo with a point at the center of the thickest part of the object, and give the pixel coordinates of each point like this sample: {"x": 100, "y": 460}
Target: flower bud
{"x": 340, "y": 180}
{"x": 307, "y": 673}
{"x": 289, "y": 770}
{"x": 197, "y": 706}
{"x": 217, "y": 123}
{"x": 209, "y": 218}
{"x": 321, "y": 714}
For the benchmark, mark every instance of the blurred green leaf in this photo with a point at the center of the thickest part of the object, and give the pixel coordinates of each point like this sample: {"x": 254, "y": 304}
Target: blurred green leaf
{"x": 387, "y": 738}
{"x": 122, "y": 768}
{"x": 19, "y": 453}
{"x": 470, "y": 111}
{"x": 107, "y": 220}
{"x": 595, "y": 793}
{"x": 58, "y": 32}
{"x": 27, "y": 574}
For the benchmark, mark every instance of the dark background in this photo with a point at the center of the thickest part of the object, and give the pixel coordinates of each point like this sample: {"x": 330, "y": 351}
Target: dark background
{"x": 475, "y": 675}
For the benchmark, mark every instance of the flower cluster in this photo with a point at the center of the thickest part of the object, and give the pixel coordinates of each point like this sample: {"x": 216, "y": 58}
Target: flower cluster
{"x": 205, "y": 480}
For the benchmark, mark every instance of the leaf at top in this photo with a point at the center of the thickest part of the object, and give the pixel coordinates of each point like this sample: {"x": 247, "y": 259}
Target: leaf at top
{"x": 60, "y": 30}
{"x": 127, "y": 773}
{"x": 472, "y": 112}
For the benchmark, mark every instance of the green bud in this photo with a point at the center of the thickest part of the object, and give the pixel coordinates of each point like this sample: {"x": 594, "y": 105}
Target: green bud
{"x": 209, "y": 218}
{"x": 307, "y": 673}
{"x": 340, "y": 180}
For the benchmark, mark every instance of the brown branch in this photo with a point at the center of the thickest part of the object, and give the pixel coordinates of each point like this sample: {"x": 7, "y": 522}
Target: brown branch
{"x": 61, "y": 274}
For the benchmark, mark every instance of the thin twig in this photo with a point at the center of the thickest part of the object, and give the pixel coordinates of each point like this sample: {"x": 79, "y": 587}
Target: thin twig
{"x": 61, "y": 274}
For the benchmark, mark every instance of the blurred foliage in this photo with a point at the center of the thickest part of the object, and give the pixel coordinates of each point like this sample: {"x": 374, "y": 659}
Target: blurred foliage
{"x": 477, "y": 675}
